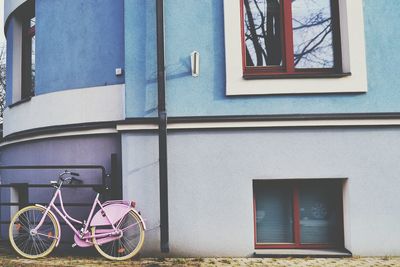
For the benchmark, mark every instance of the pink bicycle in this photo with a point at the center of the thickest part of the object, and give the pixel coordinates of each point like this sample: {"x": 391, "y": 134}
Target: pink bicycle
{"x": 117, "y": 229}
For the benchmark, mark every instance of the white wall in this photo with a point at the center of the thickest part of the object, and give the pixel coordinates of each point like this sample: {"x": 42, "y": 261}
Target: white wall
{"x": 10, "y": 6}
{"x": 211, "y": 174}
{"x": 83, "y": 105}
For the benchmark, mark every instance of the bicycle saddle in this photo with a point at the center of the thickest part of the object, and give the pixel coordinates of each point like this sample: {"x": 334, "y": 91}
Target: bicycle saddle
{"x": 101, "y": 189}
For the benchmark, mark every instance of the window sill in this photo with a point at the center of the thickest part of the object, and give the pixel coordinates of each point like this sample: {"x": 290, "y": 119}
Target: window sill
{"x": 256, "y": 76}
{"x": 295, "y": 84}
{"x": 20, "y": 102}
{"x": 283, "y": 253}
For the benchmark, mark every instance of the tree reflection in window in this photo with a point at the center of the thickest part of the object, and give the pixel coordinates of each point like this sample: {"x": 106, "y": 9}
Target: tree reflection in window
{"x": 307, "y": 22}
{"x": 263, "y": 32}
{"x": 312, "y": 34}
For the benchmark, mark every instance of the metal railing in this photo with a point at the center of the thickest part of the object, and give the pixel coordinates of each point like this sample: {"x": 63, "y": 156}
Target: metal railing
{"x": 111, "y": 181}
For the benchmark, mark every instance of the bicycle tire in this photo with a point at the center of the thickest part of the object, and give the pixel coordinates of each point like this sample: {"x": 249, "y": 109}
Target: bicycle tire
{"x": 129, "y": 244}
{"x": 26, "y": 244}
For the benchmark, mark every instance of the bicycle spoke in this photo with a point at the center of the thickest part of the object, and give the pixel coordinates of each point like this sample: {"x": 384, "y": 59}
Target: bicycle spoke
{"x": 35, "y": 247}
{"x": 35, "y": 244}
{"x": 41, "y": 243}
{"x": 25, "y": 244}
{"x": 129, "y": 226}
{"x": 48, "y": 236}
{"x": 128, "y": 244}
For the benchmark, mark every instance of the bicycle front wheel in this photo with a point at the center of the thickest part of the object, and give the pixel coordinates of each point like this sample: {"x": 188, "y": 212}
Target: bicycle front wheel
{"x": 129, "y": 244}
{"x": 33, "y": 244}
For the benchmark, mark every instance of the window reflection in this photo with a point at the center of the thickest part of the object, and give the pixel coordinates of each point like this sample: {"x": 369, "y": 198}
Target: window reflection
{"x": 312, "y": 34}
{"x": 262, "y": 30}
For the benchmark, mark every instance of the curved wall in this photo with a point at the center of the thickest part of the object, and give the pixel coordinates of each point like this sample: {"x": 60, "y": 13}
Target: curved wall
{"x": 79, "y": 45}
{"x": 10, "y": 6}
{"x": 85, "y": 105}
{"x": 79, "y": 150}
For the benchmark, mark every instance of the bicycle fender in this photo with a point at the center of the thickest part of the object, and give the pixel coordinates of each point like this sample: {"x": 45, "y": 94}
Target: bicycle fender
{"x": 55, "y": 218}
{"x": 109, "y": 214}
{"x": 113, "y": 213}
{"x": 141, "y": 218}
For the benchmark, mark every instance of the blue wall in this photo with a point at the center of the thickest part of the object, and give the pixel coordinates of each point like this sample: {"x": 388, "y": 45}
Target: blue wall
{"x": 79, "y": 43}
{"x": 199, "y": 25}
{"x": 140, "y": 57}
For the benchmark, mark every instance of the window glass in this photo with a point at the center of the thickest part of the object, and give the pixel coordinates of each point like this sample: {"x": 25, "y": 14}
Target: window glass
{"x": 274, "y": 214}
{"x": 262, "y": 32}
{"x": 319, "y": 214}
{"x": 298, "y": 213}
{"x": 32, "y": 29}
{"x": 28, "y": 58}
{"x": 312, "y": 34}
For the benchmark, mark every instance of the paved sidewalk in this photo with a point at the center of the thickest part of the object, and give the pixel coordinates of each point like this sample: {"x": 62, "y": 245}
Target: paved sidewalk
{"x": 9, "y": 259}
{"x": 85, "y": 261}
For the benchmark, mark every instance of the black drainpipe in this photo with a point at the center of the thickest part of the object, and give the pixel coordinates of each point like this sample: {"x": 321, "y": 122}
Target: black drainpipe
{"x": 162, "y": 130}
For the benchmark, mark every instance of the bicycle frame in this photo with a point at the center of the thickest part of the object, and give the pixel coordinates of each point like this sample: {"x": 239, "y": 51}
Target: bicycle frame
{"x": 82, "y": 234}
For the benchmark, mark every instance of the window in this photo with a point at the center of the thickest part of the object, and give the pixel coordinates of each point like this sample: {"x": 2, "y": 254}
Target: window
{"x": 28, "y": 57}
{"x": 298, "y": 214}
{"x": 290, "y": 37}
{"x": 23, "y": 53}
{"x": 321, "y": 44}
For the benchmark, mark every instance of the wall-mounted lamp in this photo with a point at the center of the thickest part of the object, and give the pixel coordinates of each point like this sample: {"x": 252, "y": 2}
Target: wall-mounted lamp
{"x": 195, "y": 62}
{"x": 118, "y": 71}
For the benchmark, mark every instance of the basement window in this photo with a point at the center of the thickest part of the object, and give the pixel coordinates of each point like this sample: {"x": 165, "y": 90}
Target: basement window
{"x": 298, "y": 214}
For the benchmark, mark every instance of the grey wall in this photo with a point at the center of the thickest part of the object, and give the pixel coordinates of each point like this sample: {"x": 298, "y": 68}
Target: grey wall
{"x": 140, "y": 182}
{"x": 89, "y": 150}
{"x": 211, "y": 174}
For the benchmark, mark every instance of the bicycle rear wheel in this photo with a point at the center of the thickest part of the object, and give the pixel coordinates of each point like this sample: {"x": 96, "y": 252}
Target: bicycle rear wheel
{"x": 24, "y": 241}
{"x": 129, "y": 244}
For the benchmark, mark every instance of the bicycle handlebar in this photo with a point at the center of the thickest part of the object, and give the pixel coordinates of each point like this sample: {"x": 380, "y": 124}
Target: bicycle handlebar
{"x": 71, "y": 178}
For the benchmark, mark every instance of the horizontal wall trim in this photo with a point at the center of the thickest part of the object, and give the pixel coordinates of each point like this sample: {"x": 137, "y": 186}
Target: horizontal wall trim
{"x": 261, "y": 124}
{"x": 210, "y": 122}
{"x": 60, "y": 134}
{"x": 53, "y": 130}
{"x": 279, "y": 117}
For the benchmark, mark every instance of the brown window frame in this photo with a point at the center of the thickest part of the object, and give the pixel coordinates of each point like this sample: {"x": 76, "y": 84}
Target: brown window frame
{"x": 288, "y": 70}
{"x": 294, "y": 186}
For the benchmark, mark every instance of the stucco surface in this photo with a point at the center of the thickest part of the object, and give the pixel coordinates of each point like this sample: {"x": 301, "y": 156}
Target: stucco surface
{"x": 78, "y": 44}
{"x": 199, "y": 25}
{"x": 84, "y": 105}
{"x": 211, "y": 174}
{"x": 140, "y": 58}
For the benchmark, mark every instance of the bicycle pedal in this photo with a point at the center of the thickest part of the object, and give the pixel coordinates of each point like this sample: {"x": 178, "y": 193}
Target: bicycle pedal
{"x": 74, "y": 245}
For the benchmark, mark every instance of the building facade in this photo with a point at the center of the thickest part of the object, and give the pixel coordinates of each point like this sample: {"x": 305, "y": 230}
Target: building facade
{"x": 283, "y": 128}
